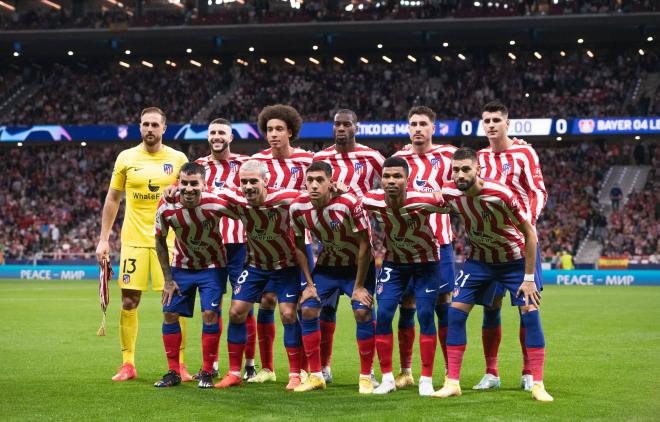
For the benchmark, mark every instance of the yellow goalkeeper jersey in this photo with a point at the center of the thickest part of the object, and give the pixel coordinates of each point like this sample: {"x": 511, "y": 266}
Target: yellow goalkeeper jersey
{"x": 143, "y": 176}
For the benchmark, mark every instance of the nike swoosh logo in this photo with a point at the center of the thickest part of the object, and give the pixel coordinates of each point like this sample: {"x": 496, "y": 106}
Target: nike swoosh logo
{"x": 443, "y": 286}
{"x": 429, "y": 291}
{"x": 214, "y": 304}
{"x": 288, "y": 295}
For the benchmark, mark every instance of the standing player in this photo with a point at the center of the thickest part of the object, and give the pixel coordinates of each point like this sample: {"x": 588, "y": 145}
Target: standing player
{"x": 142, "y": 172}
{"x": 515, "y": 164}
{"x": 430, "y": 168}
{"x": 286, "y": 166}
{"x": 221, "y": 168}
{"x": 503, "y": 249}
{"x": 198, "y": 262}
{"x": 412, "y": 257}
{"x": 345, "y": 265}
{"x": 358, "y": 167}
{"x": 271, "y": 263}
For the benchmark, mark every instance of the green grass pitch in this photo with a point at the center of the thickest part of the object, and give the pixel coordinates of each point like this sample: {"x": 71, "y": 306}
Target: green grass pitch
{"x": 603, "y": 363}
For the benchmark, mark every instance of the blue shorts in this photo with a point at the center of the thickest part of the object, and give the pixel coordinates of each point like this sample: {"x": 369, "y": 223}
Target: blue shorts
{"x": 236, "y": 253}
{"x": 476, "y": 284}
{"x": 447, "y": 271}
{"x": 331, "y": 281}
{"x": 500, "y": 290}
{"x": 394, "y": 279}
{"x": 209, "y": 282}
{"x": 253, "y": 281}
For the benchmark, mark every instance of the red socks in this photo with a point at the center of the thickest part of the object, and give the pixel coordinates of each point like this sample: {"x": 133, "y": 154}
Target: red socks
{"x": 384, "y": 347}
{"x": 209, "y": 350}
{"x": 491, "y": 338}
{"x": 455, "y": 358}
{"x": 406, "y": 337}
{"x": 536, "y": 357}
{"x": 266, "y": 333}
{"x": 312, "y": 345}
{"x": 427, "y": 346}
{"x": 172, "y": 342}
{"x": 250, "y": 346}
{"x": 327, "y": 339}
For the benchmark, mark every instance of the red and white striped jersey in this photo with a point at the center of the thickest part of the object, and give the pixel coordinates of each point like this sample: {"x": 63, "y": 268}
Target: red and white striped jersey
{"x": 409, "y": 237}
{"x": 518, "y": 168}
{"x": 359, "y": 170}
{"x": 267, "y": 227}
{"x": 198, "y": 241}
{"x": 336, "y": 226}
{"x": 428, "y": 172}
{"x": 221, "y": 174}
{"x": 288, "y": 173}
{"x": 491, "y": 219}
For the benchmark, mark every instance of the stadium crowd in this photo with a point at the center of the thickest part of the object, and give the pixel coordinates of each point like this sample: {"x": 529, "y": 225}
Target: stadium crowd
{"x": 555, "y": 86}
{"x": 52, "y": 198}
{"x": 265, "y": 11}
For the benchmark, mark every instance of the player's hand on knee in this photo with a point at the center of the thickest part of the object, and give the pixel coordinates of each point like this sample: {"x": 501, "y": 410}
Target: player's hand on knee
{"x": 530, "y": 293}
{"x": 309, "y": 293}
{"x": 102, "y": 250}
{"x": 169, "y": 193}
{"x": 362, "y": 296}
{"x": 169, "y": 290}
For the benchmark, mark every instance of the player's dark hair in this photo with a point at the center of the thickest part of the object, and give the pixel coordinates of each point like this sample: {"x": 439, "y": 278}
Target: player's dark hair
{"x": 192, "y": 168}
{"x": 494, "y": 107}
{"x": 349, "y": 112}
{"x": 465, "y": 153}
{"x": 422, "y": 110}
{"x": 396, "y": 162}
{"x": 287, "y": 114}
{"x": 220, "y": 121}
{"x": 153, "y": 110}
{"x": 321, "y": 166}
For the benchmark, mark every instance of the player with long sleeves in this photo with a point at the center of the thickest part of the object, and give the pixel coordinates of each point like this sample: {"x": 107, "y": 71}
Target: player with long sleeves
{"x": 198, "y": 262}
{"x": 358, "y": 167}
{"x": 503, "y": 249}
{"x": 413, "y": 256}
{"x": 345, "y": 265}
{"x": 141, "y": 172}
{"x": 515, "y": 164}
{"x": 271, "y": 264}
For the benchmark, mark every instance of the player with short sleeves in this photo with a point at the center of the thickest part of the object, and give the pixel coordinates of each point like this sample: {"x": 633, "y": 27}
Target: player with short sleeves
{"x": 357, "y": 167}
{"x": 198, "y": 263}
{"x": 141, "y": 173}
{"x": 413, "y": 256}
{"x": 271, "y": 263}
{"x": 514, "y": 163}
{"x": 503, "y": 249}
{"x": 345, "y": 265}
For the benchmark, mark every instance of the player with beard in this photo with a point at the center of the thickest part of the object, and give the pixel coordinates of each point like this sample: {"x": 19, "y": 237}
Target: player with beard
{"x": 221, "y": 169}
{"x": 358, "y": 168}
{"x": 142, "y": 172}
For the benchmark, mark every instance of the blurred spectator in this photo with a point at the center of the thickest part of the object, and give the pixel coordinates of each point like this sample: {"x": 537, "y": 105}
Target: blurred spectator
{"x": 615, "y": 197}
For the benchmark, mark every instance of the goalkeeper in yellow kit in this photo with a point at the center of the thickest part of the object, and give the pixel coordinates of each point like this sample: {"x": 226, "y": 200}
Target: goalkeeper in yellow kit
{"x": 142, "y": 172}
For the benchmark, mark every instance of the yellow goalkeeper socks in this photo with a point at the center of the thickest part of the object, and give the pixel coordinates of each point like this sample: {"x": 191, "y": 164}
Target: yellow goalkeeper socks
{"x": 128, "y": 328}
{"x": 182, "y": 348}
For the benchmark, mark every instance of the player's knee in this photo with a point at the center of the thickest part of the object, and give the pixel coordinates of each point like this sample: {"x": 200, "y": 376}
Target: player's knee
{"x": 362, "y": 315}
{"x": 268, "y": 301}
{"x": 426, "y": 317}
{"x": 288, "y": 316}
{"x": 408, "y": 302}
{"x": 310, "y": 312}
{"x": 236, "y": 314}
{"x": 465, "y": 307}
{"x": 527, "y": 308}
{"x": 130, "y": 299}
{"x": 170, "y": 317}
{"x": 210, "y": 317}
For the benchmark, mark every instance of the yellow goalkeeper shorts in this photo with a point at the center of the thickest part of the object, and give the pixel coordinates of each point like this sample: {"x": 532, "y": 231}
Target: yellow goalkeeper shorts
{"x": 138, "y": 265}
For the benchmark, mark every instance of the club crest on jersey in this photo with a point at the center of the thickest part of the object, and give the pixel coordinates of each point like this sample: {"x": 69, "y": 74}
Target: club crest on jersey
{"x": 379, "y": 289}
{"x": 168, "y": 168}
{"x": 233, "y": 166}
{"x": 218, "y": 183}
{"x": 412, "y": 223}
{"x": 505, "y": 168}
{"x": 334, "y": 225}
{"x": 295, "y": 172}
{"x": 126, "y": 279}
{"x": 486, "y": 215}
{"x": 208, "y": 224}
{"x": 272, "y": 215}
{"x": 237, "y": 289}
{"x": 359, "y": 168}
{"x": 436, "y": 162}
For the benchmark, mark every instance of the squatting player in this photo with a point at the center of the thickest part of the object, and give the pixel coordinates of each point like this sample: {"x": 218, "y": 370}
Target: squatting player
{"x": 198, "y": 262}
{"x": 345, "y": 265}
{"x": 271, "y": 266}
{"x": 503, "y": 249}
{"x": 142, "y": 172}
{"x": 430, "y": 168}
{"x": 222, "y": 167}
{"x": 285, "y": 166}
{"x": 515, "y": 164}
{"x": 358, "y": 167}
{"x": 412, "y": 257}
